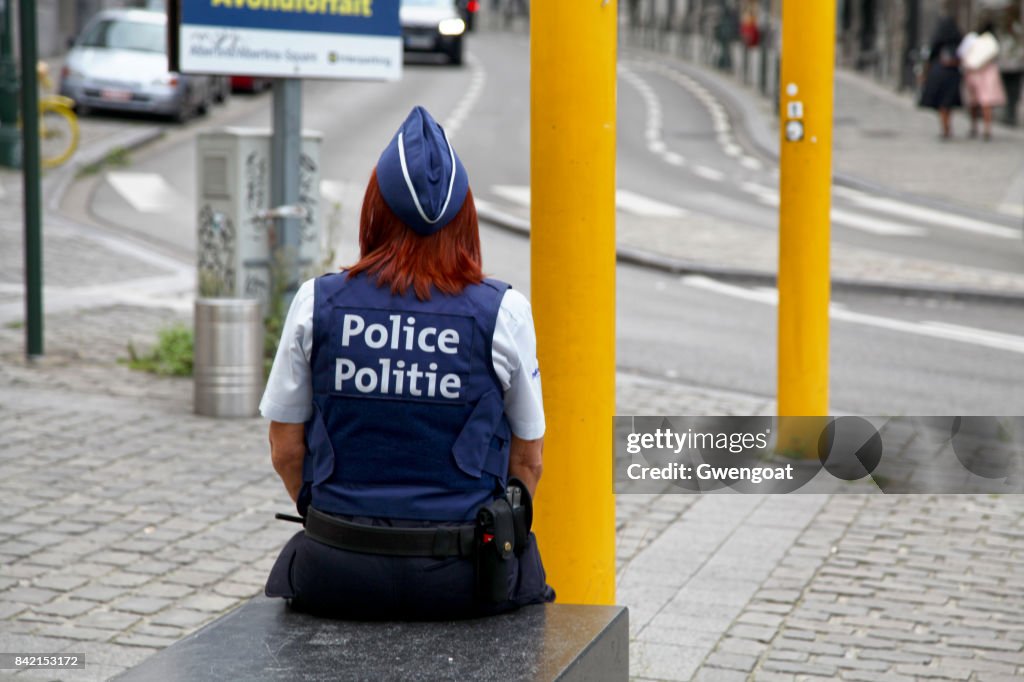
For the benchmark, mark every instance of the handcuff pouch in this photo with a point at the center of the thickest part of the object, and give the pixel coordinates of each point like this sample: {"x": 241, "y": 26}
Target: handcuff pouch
{"x": 494, "y": 550}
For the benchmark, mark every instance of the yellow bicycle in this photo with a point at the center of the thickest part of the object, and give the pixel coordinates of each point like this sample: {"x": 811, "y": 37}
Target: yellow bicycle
{"x": 58, "y": 125}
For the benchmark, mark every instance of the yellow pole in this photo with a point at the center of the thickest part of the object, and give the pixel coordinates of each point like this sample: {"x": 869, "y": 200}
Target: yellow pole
{"x": 808, "y": 57}
{"x": 572, "y": 167}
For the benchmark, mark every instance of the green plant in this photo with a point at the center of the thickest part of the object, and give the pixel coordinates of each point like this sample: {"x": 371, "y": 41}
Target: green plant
{"x": 212, "y": 286}
{"x": 273, "y": 321}
{"x": 118, "y": 157}
{"x": 172, "y": 355}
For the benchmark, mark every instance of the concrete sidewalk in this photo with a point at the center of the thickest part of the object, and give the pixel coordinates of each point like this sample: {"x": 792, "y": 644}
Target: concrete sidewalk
{"x": 883, "y": 139}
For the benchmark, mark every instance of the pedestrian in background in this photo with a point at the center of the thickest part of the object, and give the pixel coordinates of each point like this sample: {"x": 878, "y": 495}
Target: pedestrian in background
{"x": 515, "y": 9}
{"x": 983, "y": 86}
{"x": 942, "y": 81}
{"x": 1010, "y": 34}
{"x": 727, "y": 30}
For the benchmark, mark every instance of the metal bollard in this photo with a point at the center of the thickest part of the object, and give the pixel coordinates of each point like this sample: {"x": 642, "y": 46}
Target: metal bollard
{"x": 228, "y": 357}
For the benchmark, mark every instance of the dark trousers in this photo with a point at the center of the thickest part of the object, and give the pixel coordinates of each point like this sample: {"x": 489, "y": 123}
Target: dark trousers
{"x": 1012, "y": 85}
{"x": 336, "y": 583}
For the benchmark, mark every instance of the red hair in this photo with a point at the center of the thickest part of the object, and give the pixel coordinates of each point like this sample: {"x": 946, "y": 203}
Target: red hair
{"x": 396, "y": 256}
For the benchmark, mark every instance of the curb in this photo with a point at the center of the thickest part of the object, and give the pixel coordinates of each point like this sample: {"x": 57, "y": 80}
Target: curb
{"x": 677, "y": 266}
{"x": 741, "y": 113}
{"x": 58, "y": 183}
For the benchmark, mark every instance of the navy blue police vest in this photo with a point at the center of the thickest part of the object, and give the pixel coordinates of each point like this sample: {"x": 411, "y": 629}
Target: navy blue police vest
{"x": 408, "y": 415}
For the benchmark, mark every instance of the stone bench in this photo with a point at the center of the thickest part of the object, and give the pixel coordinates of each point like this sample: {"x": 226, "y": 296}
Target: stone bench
{"x": 264, "y": 640}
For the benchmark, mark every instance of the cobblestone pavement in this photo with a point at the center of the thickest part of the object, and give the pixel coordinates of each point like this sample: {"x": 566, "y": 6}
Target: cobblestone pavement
{"x": 830, "y": 587}
{"x": 135, "y": 522}
{"x": 857, "y": 587}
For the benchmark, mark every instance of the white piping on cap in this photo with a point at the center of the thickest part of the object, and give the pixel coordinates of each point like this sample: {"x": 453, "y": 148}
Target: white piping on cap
{"x": 412, "y": 190}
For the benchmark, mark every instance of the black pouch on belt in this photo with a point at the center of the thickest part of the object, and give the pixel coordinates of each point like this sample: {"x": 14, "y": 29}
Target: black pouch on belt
{"x": 495, "y": 549}
{"x": 518, "y": 496}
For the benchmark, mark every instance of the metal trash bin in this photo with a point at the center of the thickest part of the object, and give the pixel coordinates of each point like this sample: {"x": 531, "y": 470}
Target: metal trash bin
{"x": 228, "y": 357}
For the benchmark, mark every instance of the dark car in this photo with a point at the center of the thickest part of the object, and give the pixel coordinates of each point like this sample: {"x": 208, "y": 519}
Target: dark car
{"x": 433, "y": 26}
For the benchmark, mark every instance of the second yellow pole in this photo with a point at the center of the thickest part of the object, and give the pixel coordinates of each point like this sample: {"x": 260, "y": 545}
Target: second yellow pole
{"x": 572, "y": 216}
{"x": 808, "y": 57}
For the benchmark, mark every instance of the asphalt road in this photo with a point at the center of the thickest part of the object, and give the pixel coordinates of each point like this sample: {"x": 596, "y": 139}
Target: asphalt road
{"x": 889, "y": 355}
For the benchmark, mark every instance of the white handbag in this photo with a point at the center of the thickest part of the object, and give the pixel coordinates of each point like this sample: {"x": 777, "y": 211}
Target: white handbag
{"x": 983, "y": 50}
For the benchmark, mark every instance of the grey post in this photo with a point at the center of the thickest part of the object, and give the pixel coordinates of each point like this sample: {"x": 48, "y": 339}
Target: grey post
{"x": 285, "y": 150}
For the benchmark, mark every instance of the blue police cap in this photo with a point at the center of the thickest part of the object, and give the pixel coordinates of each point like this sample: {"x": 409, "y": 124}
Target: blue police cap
{"x": 420, "y": 177}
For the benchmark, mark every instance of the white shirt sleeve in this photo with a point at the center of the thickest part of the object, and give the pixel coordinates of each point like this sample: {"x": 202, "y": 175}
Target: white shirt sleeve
{"x": 965, "y": 45}
{"x": 288, "y": 397}
{"x": 514, "y": 353}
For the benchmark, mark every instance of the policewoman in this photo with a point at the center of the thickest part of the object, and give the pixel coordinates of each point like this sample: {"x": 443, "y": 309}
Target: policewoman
{"x": 406, "y": 414}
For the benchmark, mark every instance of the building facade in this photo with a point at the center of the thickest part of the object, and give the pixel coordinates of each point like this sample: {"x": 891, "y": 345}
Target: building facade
{"x": 889, "y": 38}
{"x": 885, "y": 39}
{"x": 60, "y": 21}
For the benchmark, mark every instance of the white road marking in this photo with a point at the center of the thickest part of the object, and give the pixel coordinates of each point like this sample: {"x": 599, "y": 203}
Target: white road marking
{"x": 653, "y": 123}
{"x": 856, "y": 221}
{"x": 674, "y": 159}
{"x": 469, "y": 99}
{"x": 146, "y": 192}
{"x": 754, "y": 188}
{"x": 519, "y": 194}
{"x": 982, "y": 337}
{"x": 766, "y": 195}
{"x": 885, "y": 228}
{"x": 936, "y": 330}
{"x": 719, "y": 118}
{"x": 654, "y": 120}
{"x": 709, "y": 173}
{"x": 928, "y": 216}
{"x": 644, "y": 206}
{"x": 1016, "y": 210}
{"x": 769, "y": 296}
{"x": 629, "y": 202}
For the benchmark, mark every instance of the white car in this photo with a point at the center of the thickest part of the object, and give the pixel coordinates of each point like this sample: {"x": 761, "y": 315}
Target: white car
{"x": 120, "y": 62}
{"x": 433, "y": 26}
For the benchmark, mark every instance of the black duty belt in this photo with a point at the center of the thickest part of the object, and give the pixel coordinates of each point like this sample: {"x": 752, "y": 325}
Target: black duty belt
{"x": 443, "y": 541}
